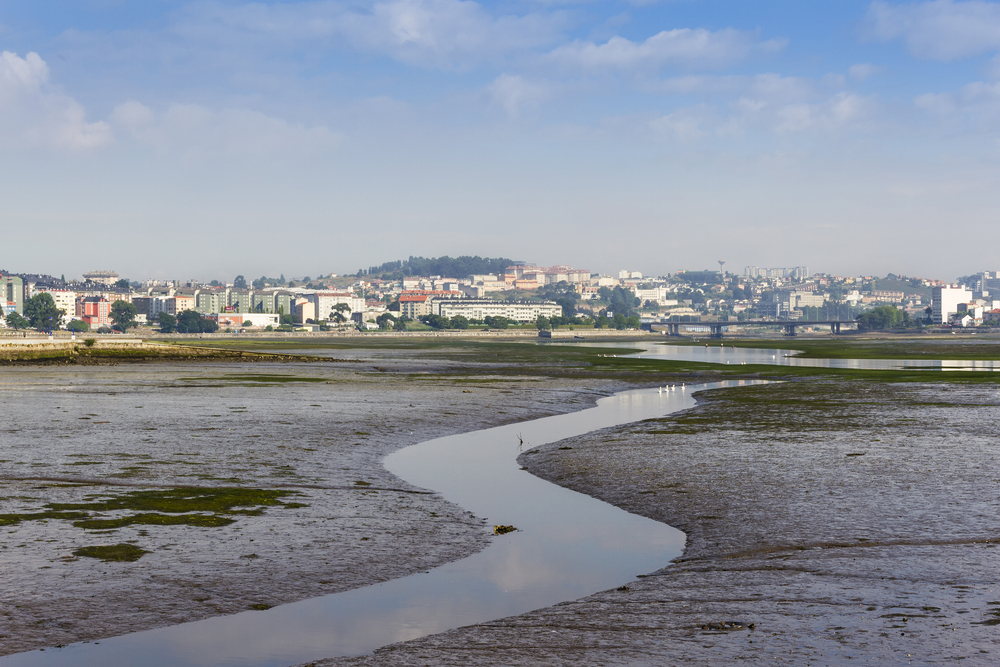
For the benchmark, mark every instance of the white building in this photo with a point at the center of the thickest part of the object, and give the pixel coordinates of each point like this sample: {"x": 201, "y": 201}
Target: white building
{"x": 64, "y": 299}
{"x": 325, "y": 302}
{"x": 658, "y": 295}
{"x": 478, "y": 309}
{"x": 945, "y": 300}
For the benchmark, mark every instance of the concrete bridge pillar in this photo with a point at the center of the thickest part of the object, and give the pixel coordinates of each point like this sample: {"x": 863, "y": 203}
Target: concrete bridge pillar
{"x": 790, "y": 330}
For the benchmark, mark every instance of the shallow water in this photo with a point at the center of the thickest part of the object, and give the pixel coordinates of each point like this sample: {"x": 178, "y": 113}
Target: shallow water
{"x": 567, "y": 545}
{"x": 719, "y": 353}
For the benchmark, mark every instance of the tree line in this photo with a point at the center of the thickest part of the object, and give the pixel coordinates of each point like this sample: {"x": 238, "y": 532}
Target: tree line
{"x": 449, "y": 267}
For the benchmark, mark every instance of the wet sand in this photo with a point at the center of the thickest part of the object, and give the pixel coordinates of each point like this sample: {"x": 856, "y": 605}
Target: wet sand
{"x": 828, "y": 523}
{"x": 80, "y": 434}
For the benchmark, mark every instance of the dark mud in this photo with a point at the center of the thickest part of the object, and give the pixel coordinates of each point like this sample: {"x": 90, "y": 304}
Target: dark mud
{"x": 175, "y": 492}
{"x": 829, "y": 523}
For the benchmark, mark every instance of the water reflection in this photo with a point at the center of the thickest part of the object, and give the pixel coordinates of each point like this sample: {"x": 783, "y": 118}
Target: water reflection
{"x": 720, "y": 353}
{"x": 567, "y": 546}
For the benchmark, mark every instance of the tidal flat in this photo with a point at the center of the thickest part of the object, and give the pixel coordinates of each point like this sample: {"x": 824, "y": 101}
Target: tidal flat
{"x": 145, "y": 495}
{"x": 846, "y": 515}
{"x": 829, "y": 522}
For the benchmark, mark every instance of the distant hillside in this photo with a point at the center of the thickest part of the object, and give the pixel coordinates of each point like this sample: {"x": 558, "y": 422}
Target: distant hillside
{"x": 448, "y": 267}
{"x": 891, "y": 284}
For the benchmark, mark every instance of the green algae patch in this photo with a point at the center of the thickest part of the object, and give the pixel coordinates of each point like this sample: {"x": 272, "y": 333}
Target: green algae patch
{"x": 178, "y": 501}
{"x": 14, "y": 519}
{"x": 198, "y": 507}
{"x": 112, "y": 553}
{"x": 153, "y": 519}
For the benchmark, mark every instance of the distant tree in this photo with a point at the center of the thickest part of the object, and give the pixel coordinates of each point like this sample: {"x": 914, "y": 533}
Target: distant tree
{"x": 191, "y": 321}
{"x": 16, "y": 321}
{"x": 385, "y": 321}
{"x": 436, "y": 321}
{"x": 168, "y": 323}
{"x": 239, "y": 282}
{"x": 400, "y": 324}
{"x": 459, "y": 322}
{"x": 41, "y": 311}
{"x": 123, "y": 315}
{"x": 543, "y": 323}
{"x": 77, "y": 326}
{"x": 883, "y": 317}
{"x": 620, "y": 321}
{"x": 123, "y": 283}
{"x": 498, "y": 322}
{"x": 452, "y": 267}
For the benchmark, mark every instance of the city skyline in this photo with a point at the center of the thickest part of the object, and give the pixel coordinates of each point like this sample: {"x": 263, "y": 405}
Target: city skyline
{"x": 210, "y": 139}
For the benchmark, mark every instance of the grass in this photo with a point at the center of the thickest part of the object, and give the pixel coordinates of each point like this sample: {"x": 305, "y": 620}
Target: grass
{"x": 468, "y": 360}
{"x": 264, "y": 378}
{"x": 919, "y": 346}
{"x": 113, "y": 553}
{"x": 201, "y": 507}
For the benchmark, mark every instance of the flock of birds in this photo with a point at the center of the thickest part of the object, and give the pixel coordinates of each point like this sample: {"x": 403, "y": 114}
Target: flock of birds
{"x": 671, "y": 387}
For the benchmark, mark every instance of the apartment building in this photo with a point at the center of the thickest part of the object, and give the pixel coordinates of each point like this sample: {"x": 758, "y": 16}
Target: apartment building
{"x": 478, "y": 309}
{"x": 945, "y": 301}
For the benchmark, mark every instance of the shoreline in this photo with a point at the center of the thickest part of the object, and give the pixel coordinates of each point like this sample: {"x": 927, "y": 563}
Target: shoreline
{"x": 351, "y": 524}
{"x": 854, "y": 531}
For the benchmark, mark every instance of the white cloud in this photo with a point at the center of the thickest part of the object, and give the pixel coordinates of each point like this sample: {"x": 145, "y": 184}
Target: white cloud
{"x": 448, "y": 34}
{"x": 978, "y": 101}
{"x": 686, "y": 124}
{"x": 195, "y": 131}
{"x": 863, "y": 71}
{"x": 513, "y": 93}
{"x": 770, "y": 105}
{"x": 34, "y": 113}
{"x": 938, "y": 30}
{"x": 832, "y": 114}
{"x": 683, "y": 47}
{"x": 772, "y": 86}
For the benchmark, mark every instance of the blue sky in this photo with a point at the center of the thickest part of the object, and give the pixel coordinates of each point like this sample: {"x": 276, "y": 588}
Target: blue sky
{"x": 205, "y": 139}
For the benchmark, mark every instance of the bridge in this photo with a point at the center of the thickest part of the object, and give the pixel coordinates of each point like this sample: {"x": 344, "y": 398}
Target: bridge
{"x": 674, "y": 328}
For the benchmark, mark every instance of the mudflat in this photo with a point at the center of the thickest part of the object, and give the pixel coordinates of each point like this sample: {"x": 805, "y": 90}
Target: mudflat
{"x": 145, "y": 495}
{"x": 829, "y": 522}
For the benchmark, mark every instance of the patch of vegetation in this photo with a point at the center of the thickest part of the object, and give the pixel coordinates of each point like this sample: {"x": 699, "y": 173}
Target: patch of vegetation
{"x": 922, "y": 347}
{"x": 264, "y": 378}
{"x": 112, "y": 553}
{"x": 153, "y": 519}
{"x": 14, "y": 519}
{"x": 201, "y": 507}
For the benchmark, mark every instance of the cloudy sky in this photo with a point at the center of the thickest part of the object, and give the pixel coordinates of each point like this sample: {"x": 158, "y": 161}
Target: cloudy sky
{"x": 174, "y": 139}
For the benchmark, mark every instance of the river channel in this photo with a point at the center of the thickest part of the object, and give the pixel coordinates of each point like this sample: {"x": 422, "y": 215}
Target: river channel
{"x": 567, "y": 545}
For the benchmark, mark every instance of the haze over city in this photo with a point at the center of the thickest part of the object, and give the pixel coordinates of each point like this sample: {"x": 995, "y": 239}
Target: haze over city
{"x": 206, "y": 139}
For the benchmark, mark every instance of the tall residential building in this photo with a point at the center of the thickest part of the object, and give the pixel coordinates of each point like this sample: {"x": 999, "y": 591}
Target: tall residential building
{"x": 945, "y": 300}
{"x": 12, "y": 298}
